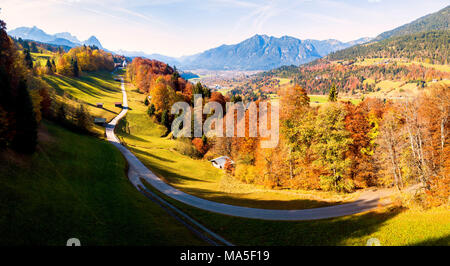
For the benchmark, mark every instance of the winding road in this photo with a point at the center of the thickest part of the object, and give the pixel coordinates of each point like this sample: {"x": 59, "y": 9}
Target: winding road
{"x": 137, "y": 171}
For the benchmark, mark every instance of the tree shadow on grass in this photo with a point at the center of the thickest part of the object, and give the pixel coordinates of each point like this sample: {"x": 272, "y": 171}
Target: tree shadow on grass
{"x": 86, "y": 89}
{"x": 438, "y": 241}
{"x": 133, "y": 137}
{"x": 325, "y": 232}
{"x": 94, "y": 81}
{"x": 239, "y": 199}
{"x": 76, "y": 84}
{"x": 151, "y": 155}
{"x": 103, "y": 108}
{"x": 122, "y": 129}
{"x": 168, "y": 174}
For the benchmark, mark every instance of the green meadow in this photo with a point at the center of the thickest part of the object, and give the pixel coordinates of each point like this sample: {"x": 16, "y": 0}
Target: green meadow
{"x": 90, "y": 89}
{"x": 76, "y": 186}
{"x": 391, "y": 226}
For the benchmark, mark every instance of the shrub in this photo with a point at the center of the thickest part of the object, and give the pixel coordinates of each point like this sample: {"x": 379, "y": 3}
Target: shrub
{"x": 185, "y": 147}
{"x": 151, "y": 110}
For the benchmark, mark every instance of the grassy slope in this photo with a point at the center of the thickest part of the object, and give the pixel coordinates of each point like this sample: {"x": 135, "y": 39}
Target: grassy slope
{"x": 90, "y": 89}
{"x": 198, "y": 177}
{"x": 42, "y": 57}
{"x": 391, "y": 226}
{"x": 75, "y": 186}
{"x": 320, "y": 99}
{"x": 395, "y": 88}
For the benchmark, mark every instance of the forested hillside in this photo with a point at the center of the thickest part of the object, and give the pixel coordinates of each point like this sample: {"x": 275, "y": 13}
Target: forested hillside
{"x": 358, "y": 78}
{"x": 165, "y": 86}
{"x": 428, "y": 47}
{"x": 415, "y": 59}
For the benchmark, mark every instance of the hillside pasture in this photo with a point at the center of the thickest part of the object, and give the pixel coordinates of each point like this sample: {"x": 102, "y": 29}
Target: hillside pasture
{"x": 76, "y": 186}
{"x": 89, "y": 89}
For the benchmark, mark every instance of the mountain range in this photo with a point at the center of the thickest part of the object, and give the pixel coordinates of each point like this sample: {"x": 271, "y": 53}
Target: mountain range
{"x": 62, "y": 38}
{"x": 260, "y": 52}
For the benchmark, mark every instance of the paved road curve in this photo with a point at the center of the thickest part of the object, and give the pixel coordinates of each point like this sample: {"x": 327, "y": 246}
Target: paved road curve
{"x": 138, "y": 170}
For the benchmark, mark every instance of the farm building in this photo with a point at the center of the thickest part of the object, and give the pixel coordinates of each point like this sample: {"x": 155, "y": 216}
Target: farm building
{"x": 118, "y": 104}
{"x": 99, "y": 120}
{"x": 220, "y": 162}
{"x": 99, "y": 105}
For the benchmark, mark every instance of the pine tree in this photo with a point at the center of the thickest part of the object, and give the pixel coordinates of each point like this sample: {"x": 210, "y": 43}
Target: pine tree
{"x": 34, "y": 48}
{"x": 28, "y": 59}
{"x": 74, "y": 67}
{"x": 165, "y": 119}
{"x": 25, "y": 45}
{"x": 49, "y": 67}
{"x": 333, "y": 96}
{"x": 151, "y": 110}
{"x": 61, "y": 114}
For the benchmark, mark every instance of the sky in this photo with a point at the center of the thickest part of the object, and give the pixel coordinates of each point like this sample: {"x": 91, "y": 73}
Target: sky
{"x": 182, "y": 27}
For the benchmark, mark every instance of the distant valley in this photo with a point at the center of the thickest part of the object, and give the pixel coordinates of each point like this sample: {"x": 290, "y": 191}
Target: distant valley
{"x": 260, "y": 52}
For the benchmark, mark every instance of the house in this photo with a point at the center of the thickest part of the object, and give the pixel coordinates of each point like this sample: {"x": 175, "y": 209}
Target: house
{"x": 124, "y": 64}
{"x": 99, "y": 105}
{"x": 118, "y": 104}
{"x": 220, "y": 162}
{"x": 99, "y": 120}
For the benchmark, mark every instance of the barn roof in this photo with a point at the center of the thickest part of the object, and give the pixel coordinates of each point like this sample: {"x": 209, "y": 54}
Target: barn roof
{"x": 221, "y": 160}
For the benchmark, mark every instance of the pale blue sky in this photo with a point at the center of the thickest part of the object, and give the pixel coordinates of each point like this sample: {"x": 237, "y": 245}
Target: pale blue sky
{"x": 181, "y": 27}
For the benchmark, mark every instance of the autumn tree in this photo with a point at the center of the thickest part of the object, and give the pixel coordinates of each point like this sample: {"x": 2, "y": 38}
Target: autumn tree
{"x": 83, "y": 58}
{"x": 362, "y": 121}
{"x": 218, "y": 97}
{"x": 28, "y": 59}
{"x": 200, "y": 144}
{"x": 392, "y": 142}
{"x": 18, "y": 127}
{"x": 297, "y": 128}
{"x": 331, "y": 146}
{"x": 163, "y": 96}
